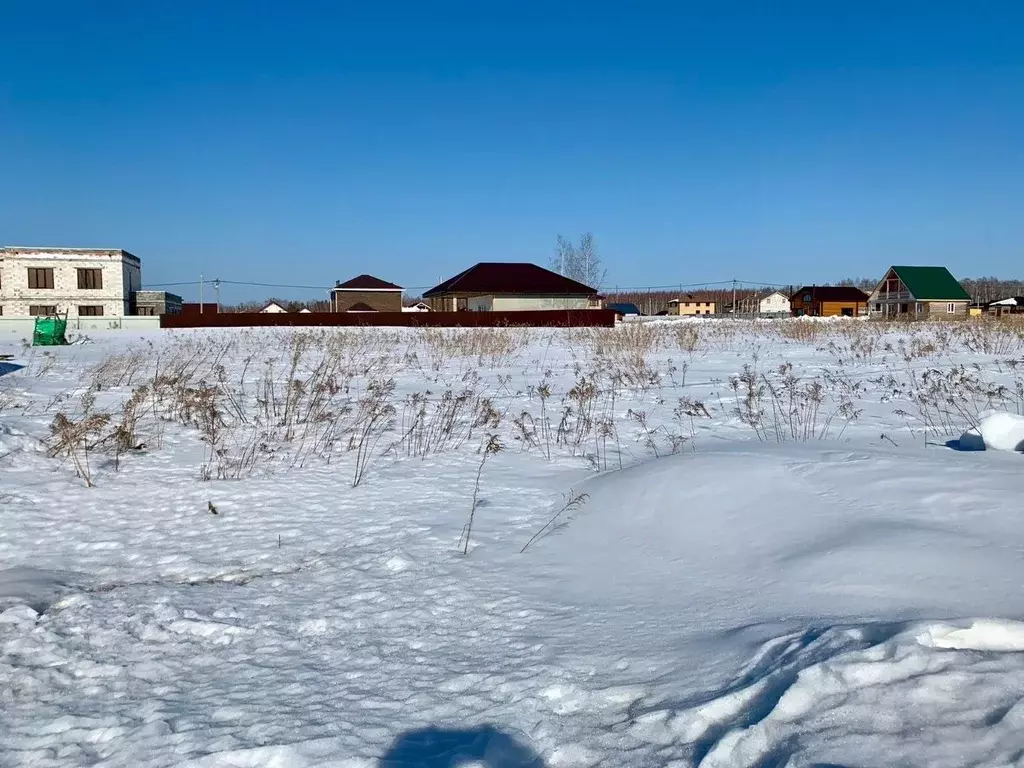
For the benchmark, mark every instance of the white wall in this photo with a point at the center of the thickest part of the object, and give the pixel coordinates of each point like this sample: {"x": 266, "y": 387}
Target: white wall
{"x": 22, "y": 327}
{"x": 774, "y": 303}
{"x": 526, "y": 303}
{"x": 121, "y": 274}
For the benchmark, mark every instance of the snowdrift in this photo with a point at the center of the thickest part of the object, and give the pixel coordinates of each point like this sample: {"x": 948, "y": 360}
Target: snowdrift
{"x": 817, "y": 572}
{"x": 996, "y": 431}
{"x": 13, "y": 440}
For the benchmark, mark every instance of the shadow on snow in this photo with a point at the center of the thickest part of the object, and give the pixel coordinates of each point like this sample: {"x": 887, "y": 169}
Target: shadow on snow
{"x": 436, "y": 747}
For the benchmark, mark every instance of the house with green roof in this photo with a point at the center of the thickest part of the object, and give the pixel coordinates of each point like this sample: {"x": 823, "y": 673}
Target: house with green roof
{"x": 918, "y": 292}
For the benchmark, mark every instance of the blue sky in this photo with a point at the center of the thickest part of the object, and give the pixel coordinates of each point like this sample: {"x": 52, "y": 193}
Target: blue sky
{"x": 769, "y": 141}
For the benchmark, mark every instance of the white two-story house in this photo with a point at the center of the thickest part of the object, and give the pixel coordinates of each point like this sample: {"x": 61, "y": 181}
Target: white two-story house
{"x": 82, "y": 282}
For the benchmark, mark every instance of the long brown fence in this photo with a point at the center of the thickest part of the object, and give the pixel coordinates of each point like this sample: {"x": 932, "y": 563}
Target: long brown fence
{"x": 549, "y": 318}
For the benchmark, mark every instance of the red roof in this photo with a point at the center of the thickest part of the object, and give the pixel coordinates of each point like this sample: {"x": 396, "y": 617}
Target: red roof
{"x": 360, "y": 307}
{"x": 832, "y": 293}
{"x": 367, "y": 283}
{"x": 504, "y": 278}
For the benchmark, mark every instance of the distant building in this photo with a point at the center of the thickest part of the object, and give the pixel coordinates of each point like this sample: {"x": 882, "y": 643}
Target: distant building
{"x": 766, "y": 304}
{"x": 82, "y": 282}
{"x": 157, "y": 303}
{"x": 419, "y": 306}
{"x": 828, "y": 301}
{"x": 373, "y": 293}
{"x": 691, "y": 305}
{"x": 305, "y": 311}
{"x": 1013, "y": 305}
{"x": 623, "y": 309}
{"x": 509, "y": 287}
{"x": 918, "y": 292}
{"x": 273, "y": 308}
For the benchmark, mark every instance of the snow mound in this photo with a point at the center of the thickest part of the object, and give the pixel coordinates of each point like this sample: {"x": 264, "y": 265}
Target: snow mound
{"x": 32, "y": 587}
{"x": 982, "y": 635}
{"x": 997, "y": 431}
{"x": 13, "y": 440}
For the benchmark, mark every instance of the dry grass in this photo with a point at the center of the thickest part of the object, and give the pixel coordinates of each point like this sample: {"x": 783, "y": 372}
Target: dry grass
{"x": 265, "y": 400}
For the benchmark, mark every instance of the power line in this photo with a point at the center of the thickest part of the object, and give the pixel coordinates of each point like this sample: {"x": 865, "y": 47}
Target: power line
{"x": 617, "y": 288}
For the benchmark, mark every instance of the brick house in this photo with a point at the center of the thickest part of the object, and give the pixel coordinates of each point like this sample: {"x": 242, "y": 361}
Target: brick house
{"x": 509, "y": 287}
{"x": 82, "y": 282}
{"x": 919, "y": 292}
{"x": 157, "y": 303}
{"x": 372, "y": 293}
{"x": 829, "y": 301}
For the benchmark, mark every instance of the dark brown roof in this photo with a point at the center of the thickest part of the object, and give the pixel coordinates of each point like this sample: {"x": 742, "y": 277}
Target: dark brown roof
{"x": 367, "y": 283}
{"x": 832, "y": 293}
{"x": 360, "y": 307}
{"x": 503, "y": 277}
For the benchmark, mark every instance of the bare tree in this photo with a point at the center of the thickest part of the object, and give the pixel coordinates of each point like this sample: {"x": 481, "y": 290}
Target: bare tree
{"x": 579, "y": 262}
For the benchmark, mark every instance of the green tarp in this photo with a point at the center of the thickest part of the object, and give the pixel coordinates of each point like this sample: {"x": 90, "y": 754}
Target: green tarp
{"x": 49, "y": 332}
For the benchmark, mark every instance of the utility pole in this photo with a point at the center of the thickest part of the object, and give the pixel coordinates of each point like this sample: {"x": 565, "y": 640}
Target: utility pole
{"x": 216, "y": 288}
{"x": 734, "y": 296}
{"x": 200, "y": 293}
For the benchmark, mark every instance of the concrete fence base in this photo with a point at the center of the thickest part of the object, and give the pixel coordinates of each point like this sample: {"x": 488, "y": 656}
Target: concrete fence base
{"x": 22, "y": 327}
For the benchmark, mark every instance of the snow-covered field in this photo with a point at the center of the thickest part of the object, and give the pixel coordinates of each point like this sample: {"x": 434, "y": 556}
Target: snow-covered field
{"x": 691, "y": 543}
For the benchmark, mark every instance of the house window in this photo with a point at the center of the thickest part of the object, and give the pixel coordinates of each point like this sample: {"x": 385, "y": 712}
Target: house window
{"x": 807, "y": 298}
{"x": 91, "y": 310}
{"x": 40, "y": 277}
{"x": 147, "y": 311}
{"x": 42, "y": 310}
{"x": 90, "y": 279}
{"x": 878, "y": 306}
{"x": 1, "y": 311}
{"x": 951, "y": 308}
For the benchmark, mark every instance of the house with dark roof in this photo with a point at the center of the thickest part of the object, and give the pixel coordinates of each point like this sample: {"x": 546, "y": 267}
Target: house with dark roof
{"x": 508, "y": 287}
{"x": 1011, "y": 305}
{"x": 828, "y": 301}
{"x": 622, "y": 309}
{"x": 374, "y": 294}
{"x": 919, "y": 292}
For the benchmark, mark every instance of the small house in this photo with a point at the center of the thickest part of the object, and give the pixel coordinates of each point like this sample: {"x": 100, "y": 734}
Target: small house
{"x": 623, "y": 309}
{"x": 1013, "y": 305}
{"x": 510, "y": 287}
{"x": 828, "y": 301}
{"x": 919, "y": 292}
{"x": 157, "y": 303}
{"x": 691, "y": 305}
{"x": 770, "y": 304}
{"x": 372, "y": 292}
{"x": 273, "y": 308}
{"x": 419, "y": 306}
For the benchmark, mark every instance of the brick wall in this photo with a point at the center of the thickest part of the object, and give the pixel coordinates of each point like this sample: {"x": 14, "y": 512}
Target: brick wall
{"x": 382, "y": 301}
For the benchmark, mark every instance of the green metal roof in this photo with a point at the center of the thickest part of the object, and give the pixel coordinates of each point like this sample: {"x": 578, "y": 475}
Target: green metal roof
{"x": 931, "y": 284}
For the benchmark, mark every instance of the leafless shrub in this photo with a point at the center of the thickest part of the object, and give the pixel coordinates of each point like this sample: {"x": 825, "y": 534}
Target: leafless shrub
{"x": 687, "y": 336}
{"x": 74, "y": 438}
{"x": 125, "y": 434}
{"x": 573, "y": 502}
{"x": 375, "y": 415}
{"x": 492, "y": 445}
{"x": 988, "y": 337}
{"x": 787, "y": 407}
